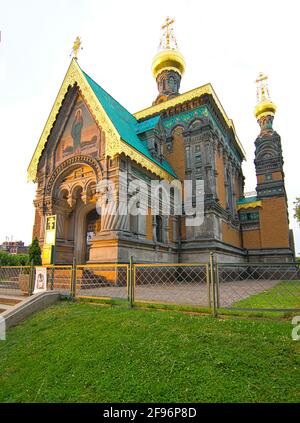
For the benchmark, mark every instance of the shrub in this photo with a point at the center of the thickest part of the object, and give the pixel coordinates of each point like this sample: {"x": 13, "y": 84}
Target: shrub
{"x": 7, "y": 259}
{"x": 35, "y": 253}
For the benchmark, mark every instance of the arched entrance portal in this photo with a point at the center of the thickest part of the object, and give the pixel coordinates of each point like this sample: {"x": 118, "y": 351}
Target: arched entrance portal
{"x": 74, "y": 200}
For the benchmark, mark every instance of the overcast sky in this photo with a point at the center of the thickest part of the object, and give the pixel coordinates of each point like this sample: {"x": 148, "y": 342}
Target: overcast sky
{"x": 224, "y": 43}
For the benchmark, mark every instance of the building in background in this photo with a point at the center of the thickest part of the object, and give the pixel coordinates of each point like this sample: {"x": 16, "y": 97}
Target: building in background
{"x": 90, "y": 137}
{"x": 14, "y": 247}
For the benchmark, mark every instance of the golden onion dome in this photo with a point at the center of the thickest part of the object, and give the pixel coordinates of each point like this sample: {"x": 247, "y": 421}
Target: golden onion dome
{"x": 168, "y": 59}
{"x": 265, "y": 106}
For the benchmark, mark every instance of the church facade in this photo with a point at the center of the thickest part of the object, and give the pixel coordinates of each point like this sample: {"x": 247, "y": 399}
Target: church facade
{"x": 91, "y": 143}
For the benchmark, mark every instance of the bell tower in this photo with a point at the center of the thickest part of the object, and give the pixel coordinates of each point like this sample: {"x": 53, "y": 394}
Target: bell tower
{"x": 268, "y": 152}
{"x": 275, "y": 237}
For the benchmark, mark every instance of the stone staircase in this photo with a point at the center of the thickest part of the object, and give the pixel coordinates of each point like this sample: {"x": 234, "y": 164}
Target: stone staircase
{"x": 7, "y": 302}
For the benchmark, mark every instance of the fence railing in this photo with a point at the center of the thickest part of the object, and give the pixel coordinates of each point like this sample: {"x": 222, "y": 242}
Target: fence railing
{"x": 214, "y": 286}
{"x": 16, "y": 280}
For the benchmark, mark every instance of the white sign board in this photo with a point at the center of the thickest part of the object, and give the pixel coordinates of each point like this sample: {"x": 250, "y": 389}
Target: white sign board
{"x": 40, "y": 280}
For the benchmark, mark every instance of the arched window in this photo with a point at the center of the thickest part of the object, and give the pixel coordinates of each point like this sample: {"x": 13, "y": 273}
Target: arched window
{"x": 229, "y": 191}
{"x": 198, "y": 163}
{"x": 134, "y": 223}
{"x": 159, "y": 229}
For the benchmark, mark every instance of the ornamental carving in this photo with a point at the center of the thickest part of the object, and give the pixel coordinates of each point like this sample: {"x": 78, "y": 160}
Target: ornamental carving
{"x": 80, "y": 159}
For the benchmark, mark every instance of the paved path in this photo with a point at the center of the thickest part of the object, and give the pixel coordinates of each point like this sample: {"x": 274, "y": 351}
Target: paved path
{"x": 189, "y": 294}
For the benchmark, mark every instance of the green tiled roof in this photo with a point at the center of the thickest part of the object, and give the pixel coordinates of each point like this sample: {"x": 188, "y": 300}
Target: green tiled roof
{"x": 147, "y": 125}
{"x": 126, "y": 124}
{"x": 246, "y": 200}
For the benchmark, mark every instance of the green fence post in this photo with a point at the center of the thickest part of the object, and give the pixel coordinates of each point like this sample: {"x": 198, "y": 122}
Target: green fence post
{"x": 31, "y": 279}
{"x": 73, "y": 279}
{"x": 131, "y": 282}
{"x": 208, "y": 285}
{"x": 213, "y": 283}
{"x": 217, "y": 285}
{"x": 53, "y": 267}
{"x": 52, "y": 278}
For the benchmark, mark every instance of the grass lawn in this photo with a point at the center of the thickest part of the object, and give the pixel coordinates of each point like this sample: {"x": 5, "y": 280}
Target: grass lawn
{"x": 284, "y": 295}
{"x": 75, "y": 352}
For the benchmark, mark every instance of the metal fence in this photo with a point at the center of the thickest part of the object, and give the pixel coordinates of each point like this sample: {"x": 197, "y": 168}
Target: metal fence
{"x": 214, "y": 286}
{"x": 15, "y": 280}
{"x": 258, "y": 286}
{"x": 102, "y": 280}
{"x": 59, "y": 278}
{"x": 184, "y": 284}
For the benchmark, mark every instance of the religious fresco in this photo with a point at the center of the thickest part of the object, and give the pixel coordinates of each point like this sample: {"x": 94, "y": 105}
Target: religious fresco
{"x": 81, "y": 134}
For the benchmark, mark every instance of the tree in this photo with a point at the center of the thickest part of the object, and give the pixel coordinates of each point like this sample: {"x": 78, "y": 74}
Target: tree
{"x": 35, "y": 253}
{"x": 297, "y": 209}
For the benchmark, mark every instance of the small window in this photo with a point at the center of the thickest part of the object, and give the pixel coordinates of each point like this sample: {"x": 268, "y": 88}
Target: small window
{"x": 158, "y": 221}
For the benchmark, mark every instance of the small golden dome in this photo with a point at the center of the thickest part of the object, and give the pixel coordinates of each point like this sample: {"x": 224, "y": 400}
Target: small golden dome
{"x": 265, "y": 106}
{"x": 168, "y": 59}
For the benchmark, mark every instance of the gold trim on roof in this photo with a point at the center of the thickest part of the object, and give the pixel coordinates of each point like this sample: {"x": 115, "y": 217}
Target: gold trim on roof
{"x": 190, "y": 95}
{"x": 129, "y": 151}
{"x": 114, "y": 144}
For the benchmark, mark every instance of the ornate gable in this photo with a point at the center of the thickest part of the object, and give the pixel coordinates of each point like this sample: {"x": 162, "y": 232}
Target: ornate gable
{"x": 102, "y": 108}
{"x": 74, "y": 76}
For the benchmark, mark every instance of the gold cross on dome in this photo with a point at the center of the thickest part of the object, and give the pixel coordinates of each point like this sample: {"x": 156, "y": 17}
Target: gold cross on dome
{"x": 262, "y": 90}
{"x": 167, "y": 27}
{"x": 168, "y": 22}
{"x": 76, "y": 47}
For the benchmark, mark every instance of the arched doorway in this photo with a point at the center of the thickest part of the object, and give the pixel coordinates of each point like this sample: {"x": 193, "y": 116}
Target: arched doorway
{"x": 74, "y": 203}
{"x": 93, "y": 225}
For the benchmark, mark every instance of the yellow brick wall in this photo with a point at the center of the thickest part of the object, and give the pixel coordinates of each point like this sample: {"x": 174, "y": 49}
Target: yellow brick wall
{"x": 176, "y": 158}
{"x": 230, "y": 235}
{"x": 274, "y": 223}
{"x": 37, "y": 225}
{"x": 149, "y": 232}
{"x": 251, "y": 239}
{"x": 183, "y": 227}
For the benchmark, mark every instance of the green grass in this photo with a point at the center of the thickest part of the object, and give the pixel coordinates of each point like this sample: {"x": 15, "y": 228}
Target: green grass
{"x": 284, "y": 295}
{"x": 76, "y": 352}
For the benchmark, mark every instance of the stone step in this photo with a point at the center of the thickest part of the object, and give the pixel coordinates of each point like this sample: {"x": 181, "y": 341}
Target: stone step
{"x": 10, "y": 299}
{"x": 5, "y": 307}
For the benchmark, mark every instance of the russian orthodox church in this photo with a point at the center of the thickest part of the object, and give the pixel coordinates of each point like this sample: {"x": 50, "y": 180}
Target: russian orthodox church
{"x": 89, "y": 137}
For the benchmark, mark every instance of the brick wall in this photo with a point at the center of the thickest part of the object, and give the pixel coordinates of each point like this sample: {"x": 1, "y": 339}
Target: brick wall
{"x": 230, "y": 235}
{"x": 37, "y": 226}
{"x": 274, "y": 223}
{"x": 176, "y": 158}
{"x": 251, "y": 239}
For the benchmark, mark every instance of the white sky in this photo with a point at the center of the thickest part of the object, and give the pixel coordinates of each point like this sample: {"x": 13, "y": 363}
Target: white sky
{"x": 225, "y": 43}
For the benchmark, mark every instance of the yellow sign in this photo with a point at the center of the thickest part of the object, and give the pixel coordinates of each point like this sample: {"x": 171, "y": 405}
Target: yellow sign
{"x": 50, "y": 231}
{"x": 47, "y": 254}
